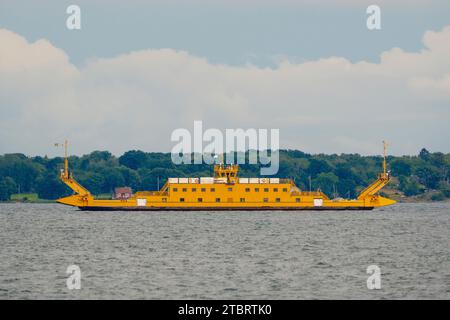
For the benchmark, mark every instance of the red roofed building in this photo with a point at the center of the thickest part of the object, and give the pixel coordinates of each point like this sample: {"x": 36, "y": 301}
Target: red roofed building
{"x": 123, "y": 193}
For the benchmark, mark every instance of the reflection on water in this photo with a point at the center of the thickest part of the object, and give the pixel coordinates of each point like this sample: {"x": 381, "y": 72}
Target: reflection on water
{"x": 224, "y": 255}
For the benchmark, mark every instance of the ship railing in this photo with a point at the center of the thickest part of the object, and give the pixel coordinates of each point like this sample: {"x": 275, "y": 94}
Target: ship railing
{"x": 286, "y": 181}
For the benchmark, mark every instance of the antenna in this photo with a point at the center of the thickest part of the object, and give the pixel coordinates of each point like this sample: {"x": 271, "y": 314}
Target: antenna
{"x": 66, "y": 160}
{"x": 384, "y": 156}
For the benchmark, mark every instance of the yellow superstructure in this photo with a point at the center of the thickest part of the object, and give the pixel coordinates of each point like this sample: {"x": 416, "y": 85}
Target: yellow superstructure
{"x": 226, "y": 191}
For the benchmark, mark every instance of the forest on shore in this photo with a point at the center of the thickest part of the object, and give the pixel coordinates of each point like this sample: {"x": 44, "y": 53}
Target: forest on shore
{"x": 423, "y": 177}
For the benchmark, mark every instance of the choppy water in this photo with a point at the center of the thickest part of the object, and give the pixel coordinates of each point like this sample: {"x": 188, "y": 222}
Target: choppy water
{"x": 224, "y": 255}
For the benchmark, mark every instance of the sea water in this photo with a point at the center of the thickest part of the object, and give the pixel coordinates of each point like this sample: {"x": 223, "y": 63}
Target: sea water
{"x": 224, "y": 255}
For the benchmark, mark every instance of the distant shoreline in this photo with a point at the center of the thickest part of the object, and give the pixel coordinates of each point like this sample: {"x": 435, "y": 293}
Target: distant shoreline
{"x": 421, "y": 178}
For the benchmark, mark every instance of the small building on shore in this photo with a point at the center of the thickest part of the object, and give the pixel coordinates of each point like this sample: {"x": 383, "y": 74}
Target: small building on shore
{"x": 123, "y": 193}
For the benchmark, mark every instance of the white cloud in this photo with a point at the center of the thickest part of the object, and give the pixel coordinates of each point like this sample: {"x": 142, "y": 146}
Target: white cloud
{"x": 135, "y": 100}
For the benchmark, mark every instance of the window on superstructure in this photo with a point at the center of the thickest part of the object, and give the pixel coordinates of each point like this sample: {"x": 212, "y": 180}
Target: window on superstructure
{"x": 297, "y": 199}
{"x": 184, "y": 189}
{"x": 266, "y": 200}
{"x": 230, "y": 189}
{"x": 275, "y": 189}
{"x": 175, "y": 189}
{"x": 217, "y": 199}
{"x": 247, "y": 189}
{"x": 213, "y": 190}
{"x": 277, "y": 200}
{"x": 200, "y": 199}
{"x": 203, "y": 189}
{"x": 242, "y": 199}
{"x": 181, "y": 199}
{"x": 284, "y": 189}
{"x": 164, "y": 199}
{"x": 266, "y": 189}
{"x": 194, "y": 189}
{"x": 256, "y": 189}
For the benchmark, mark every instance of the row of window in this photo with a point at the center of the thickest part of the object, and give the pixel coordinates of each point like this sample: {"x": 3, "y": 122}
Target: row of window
{"x": 229, "y": 189}
{"x": 223, "y": 174}
{"x": 194, "y": 189}
{"x": 240, "y": 200}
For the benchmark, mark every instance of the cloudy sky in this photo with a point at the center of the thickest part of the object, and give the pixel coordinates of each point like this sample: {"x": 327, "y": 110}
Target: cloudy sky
{"x": 137, "y": 70}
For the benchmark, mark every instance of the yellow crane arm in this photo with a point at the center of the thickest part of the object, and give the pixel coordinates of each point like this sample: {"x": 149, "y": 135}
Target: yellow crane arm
{"x": 75, "y": 186}
{"x": 374, "y": 187}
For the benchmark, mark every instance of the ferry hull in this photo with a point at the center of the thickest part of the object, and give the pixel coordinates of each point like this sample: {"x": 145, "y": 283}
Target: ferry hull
{"x": 309, "y": 203}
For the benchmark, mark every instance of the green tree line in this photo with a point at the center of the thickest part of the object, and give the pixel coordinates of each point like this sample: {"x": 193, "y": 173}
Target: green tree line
{"x": 337, "y": 175}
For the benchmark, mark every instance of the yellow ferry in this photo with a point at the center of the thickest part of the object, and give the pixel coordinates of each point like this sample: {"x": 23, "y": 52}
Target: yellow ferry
{"x": 226, "y": 191}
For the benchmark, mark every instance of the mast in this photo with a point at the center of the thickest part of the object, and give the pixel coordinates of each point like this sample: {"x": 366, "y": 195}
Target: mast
{"x": 66, "y": 160}
{"x": 384, "y": 157}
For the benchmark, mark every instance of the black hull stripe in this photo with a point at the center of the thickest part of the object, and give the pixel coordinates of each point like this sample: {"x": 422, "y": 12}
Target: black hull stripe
{"x": 223, "y": 208}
